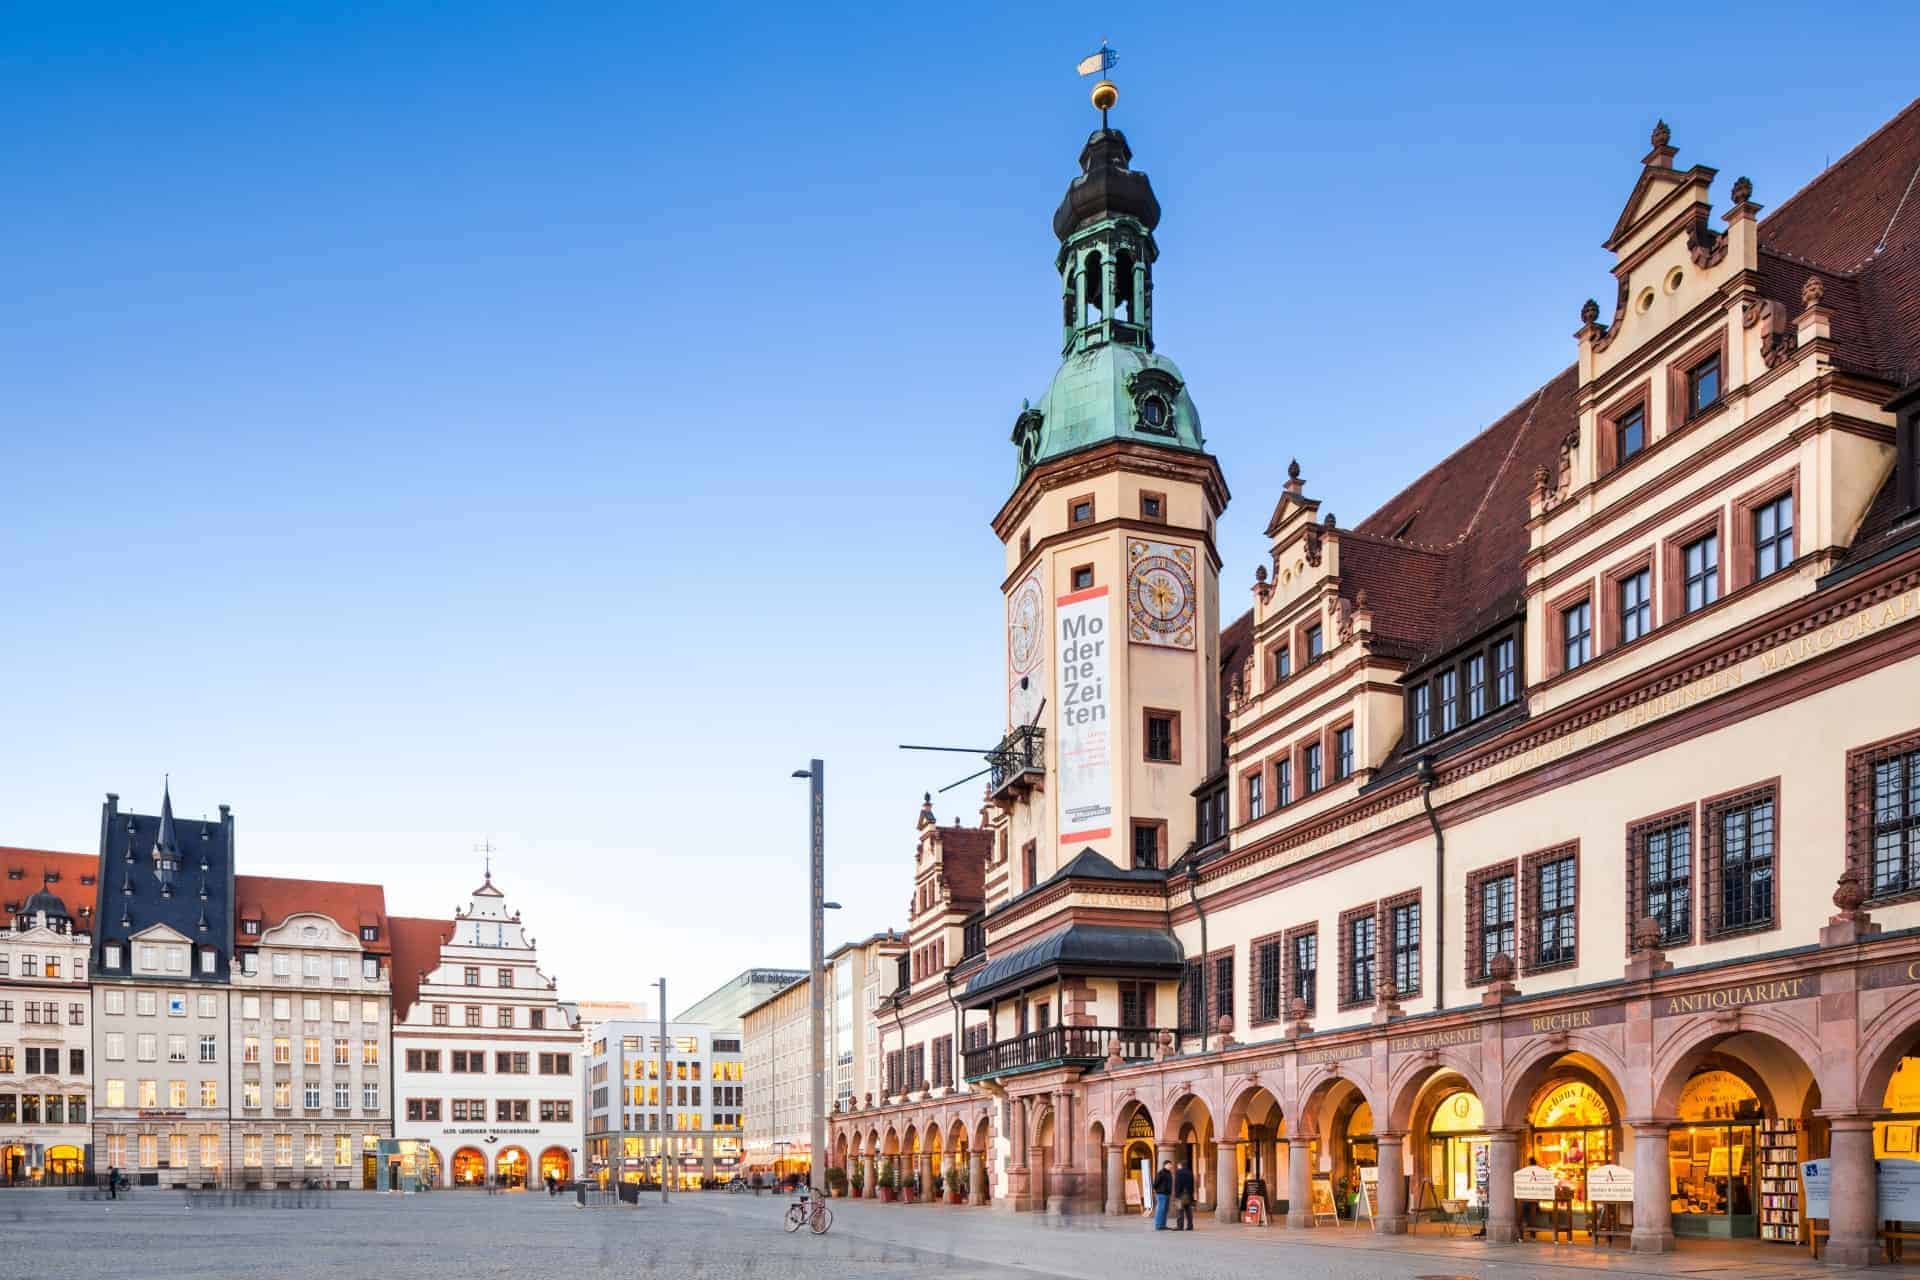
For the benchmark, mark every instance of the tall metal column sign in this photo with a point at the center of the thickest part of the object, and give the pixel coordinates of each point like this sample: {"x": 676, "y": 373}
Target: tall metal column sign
{"x": 816, "y": 987}
{"x": 1083, "y": 658}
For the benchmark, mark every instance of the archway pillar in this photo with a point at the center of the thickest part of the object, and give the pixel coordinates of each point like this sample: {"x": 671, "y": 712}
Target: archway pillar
{"x": 1503, "y": 1147}
{"x": 1117, "y": 1179}
{"x": 1299, "y": 1183}
{"x": 1855, "y": 1190}
{"x": 977, "y": 1177}
{"x": 870, "y": 1189}
{"x": 1225, "y": 1186}
{"x": 1393, "y": 1184}
{"x": 1652, "y": 1203}
{"x": 1064, "y": 1180}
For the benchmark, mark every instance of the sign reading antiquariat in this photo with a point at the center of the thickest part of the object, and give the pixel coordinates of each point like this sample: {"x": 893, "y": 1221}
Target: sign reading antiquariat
{"x": 1733, "y": 997}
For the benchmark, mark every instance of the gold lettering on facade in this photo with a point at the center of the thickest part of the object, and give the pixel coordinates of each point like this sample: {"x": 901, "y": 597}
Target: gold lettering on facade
{"x": 1734, "y": 997}
{"x": 1561, "y": 1021}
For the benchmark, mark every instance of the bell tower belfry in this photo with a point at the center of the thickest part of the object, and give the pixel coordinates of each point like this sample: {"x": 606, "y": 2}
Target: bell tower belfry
{"x": 1111, "y": 575}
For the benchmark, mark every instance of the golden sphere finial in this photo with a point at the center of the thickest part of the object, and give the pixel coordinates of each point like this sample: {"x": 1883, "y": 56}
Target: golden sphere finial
{"x": 1105, "y": 94}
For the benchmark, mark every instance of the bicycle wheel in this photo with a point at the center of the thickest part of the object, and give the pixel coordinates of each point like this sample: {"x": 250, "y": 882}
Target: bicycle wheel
{"x": 794, "y": 1218}
{"x": 822, "y": 1220}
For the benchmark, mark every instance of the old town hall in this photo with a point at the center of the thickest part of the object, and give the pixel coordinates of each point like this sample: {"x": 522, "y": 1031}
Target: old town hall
{"x": 1556, "y": 824}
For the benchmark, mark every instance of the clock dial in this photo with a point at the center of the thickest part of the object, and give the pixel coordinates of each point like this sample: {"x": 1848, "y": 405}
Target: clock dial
{"x": 1026, "y": 618}
{"x": 1160, "y": 594}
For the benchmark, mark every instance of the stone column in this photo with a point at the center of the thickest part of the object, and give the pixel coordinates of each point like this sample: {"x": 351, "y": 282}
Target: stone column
{"x": 1855, "y": 1189}
{"x": 977, "y": 1165}
{"x": 872, "y": 1189}
{"x": 1393, "y": 1185}
{"x": 1064, "y": 1181}
{"x": 1299, "y": 1184}
{"x": 1016, "y": 1200}
{"x": 1226, "y": 1184}
{"x": 928, "y": 1167}
{"x": 1502, "y": 1157}
{"x": 1117, "y": 1179}
{"x": 1652, "y": 1205}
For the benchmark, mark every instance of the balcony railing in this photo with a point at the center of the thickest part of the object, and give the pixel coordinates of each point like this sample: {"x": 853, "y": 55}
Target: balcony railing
{"x": 1053, "y": 1046}
{"x": 1020, "y": 755}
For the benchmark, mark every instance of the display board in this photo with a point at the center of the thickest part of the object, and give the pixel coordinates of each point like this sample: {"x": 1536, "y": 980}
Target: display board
{"x": 1610, "y": 1184}
{"x": 1533, "y": 1183}
{"x": 1320, "y": 1197}
{"x": 1255, "y": 1213}
{"x": 1368, "y": 1206}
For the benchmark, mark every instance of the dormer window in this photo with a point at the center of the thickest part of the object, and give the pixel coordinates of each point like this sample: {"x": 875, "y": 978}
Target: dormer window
{"x": 1703, "y": 385}
{"x": 251, "y": 928}
{"x": 369, "y": 933}
{"x": 1422, "y": 714}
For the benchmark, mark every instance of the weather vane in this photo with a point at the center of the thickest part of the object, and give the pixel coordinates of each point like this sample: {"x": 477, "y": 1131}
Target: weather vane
{"x": 1105, "y": 92}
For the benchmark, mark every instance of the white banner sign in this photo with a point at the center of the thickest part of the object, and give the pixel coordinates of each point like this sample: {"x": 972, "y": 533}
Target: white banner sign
{"x": 1084, "y": 651}
{"x": 1610, "y": 1184}
{"x": 1899, "y": 1196}
{"x": 1533, "y": 1183}
{"x": 1818, "y": 1175}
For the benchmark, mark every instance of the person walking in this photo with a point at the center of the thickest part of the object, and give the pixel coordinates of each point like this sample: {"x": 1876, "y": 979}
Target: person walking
{"x": 1183, "y": 1197}
{"x": 113, "y": 1182}
{"x": 1162, "y": 1194}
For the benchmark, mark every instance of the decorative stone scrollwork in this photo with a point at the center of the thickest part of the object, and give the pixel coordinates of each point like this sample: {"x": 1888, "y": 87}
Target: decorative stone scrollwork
{"x": 1813, "y": 291}
{"x": 1155, "y": 392}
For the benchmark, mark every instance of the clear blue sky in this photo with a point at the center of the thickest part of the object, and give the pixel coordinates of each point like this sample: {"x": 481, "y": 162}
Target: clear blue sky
{"x": 556, "y": 422}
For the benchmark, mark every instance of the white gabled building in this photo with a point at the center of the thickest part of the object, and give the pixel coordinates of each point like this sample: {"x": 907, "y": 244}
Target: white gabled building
{"x": 46, "y": 922}
{"x": 487, "y": 1060}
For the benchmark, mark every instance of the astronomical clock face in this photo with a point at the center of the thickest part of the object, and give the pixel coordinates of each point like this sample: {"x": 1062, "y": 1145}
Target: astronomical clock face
{"x": 1026, "y": 637}
{"x": 1161, "y": 599}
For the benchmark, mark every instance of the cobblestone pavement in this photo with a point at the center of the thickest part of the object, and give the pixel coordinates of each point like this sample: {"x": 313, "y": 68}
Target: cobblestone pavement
{"x": 157, "y": 1236}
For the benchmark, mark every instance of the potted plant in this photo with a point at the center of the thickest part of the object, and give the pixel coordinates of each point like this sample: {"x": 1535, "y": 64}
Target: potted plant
{"x": 957, "y": 1181}
{"x": 886, "y": 1180}
{"x": 836, "y": 1181}
{"x": 859, "y": 1179}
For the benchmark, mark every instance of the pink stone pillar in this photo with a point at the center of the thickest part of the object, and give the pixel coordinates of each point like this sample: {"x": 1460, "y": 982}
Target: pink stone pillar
{"x": 1299, "y": 1184}
{"x": 1856, "y": 1190}
{"x": 1652, "y": 1204}
{"x": 1226, "y": 1184}
{"x": 1502, "y": 1157}
{"x": 1116, "y": 1179}
{"x": 1393, "y": 1186}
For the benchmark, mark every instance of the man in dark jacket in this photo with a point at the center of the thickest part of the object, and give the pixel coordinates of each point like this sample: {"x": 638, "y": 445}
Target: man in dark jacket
{"x": 1183, "y": 1197}
{"x": 1162, "y": 1193}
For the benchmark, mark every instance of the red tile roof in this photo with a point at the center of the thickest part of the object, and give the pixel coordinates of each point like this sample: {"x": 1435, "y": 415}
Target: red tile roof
{"x": 416, "y": 950}
{"x": 24, "y": 872}
{"x": 271, "y": 899}
{"x": 1441, "y": 561}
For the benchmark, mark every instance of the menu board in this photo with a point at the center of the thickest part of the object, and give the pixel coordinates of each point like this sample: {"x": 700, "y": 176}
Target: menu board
{"x": 1370, "y": 1193}
{"x": 1610, "y": 1184}
{"x": 1320, "y": 1196}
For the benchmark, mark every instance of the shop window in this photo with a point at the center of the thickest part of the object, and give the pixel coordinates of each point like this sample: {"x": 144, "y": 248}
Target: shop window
{"x": 1491, "y": 918}
{"x": 1570, "y": 1126}
{"x": 1712, "y": 1156}
{"x": 1457, "y": 1148}
{"x": 1742, "y": 831}
{"x": 1660, "y": 876}
{"x": 1550, "y": 936}
{"x": 1359, "y": 955}
{"x": 1883, "y": 817}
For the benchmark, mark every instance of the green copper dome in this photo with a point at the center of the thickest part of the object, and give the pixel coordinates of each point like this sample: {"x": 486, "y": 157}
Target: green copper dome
{"x": 1111, "y": 384}
{"x": 1109, "y": 392}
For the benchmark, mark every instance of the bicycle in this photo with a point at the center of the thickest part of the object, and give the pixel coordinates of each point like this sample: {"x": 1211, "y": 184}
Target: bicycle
{"x": 813, "y": 1214}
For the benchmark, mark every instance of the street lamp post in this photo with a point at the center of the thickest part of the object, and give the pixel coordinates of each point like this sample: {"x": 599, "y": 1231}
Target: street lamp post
{"x": 662, "y": 984}
{"x": 815, "y": 774}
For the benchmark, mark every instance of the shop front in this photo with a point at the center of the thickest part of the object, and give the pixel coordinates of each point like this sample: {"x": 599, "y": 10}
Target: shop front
{"x": 469, "y": 1168}
{"x": 1712, "y": 1157}
{"x": 1139, "y": 1161}
{"x": 1570, "y": 1130}
{"x": 555, "y": 1165}
{"x": 514, "y": 1169}
{"x": 1456, "y": 1151}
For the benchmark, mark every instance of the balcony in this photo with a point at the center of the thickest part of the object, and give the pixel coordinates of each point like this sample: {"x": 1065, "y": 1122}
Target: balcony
{"x": 1058, "y": 1046}
{"x": 1018, "y": 763}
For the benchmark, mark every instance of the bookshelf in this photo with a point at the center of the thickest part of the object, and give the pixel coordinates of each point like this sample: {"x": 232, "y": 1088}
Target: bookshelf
{"x": 1779, "y": 1161}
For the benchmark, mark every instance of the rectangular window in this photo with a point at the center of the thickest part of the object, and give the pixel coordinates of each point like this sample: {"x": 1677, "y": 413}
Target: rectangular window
{"x": 209, "y": 1093}
{"x": 311, "y": 1095}
{"x": 1080, "y": 577}
{"x": 1662, "y": 850}
{"x": 1162, "y": 738}
{"x": 1222, "y": 991}
{"x": 1310, "y": 758}
{"x": 1282, "y": 783}
{"x": 1146, "y": 845}
{"x": 1343, "y": 752}
{"x": 342, "y": 967}
{"x": 283, "y": 1095}
{"x": 210, "y": 1049}
{"x": 1422, "y": 713}
{"x": 1268, "y": 980}
{"x": 1255, "y": 806}
{"x": 1700, "y": 566}
{"x": 1740, "y": 861}
{"x": 1884, "y": 816}
{"x": 250, "y": 1094}
{"x": 1629, "y": 433}
{"x": 1403, "y": 921}
{"x": 473, "y": 1015}
{"x": 1362, "y": 939}
{"x": 471, "y": 974}
{"x": 1773, "y": 537}
{"x": 1191, "y": 1010}
{"x": 1080, "y": 511}
{"x": 1554, "y": 885}
{"x": 504, "y": 1015}
{"x": 1476, "y": 686}
{"x": 1136, "y": 1005}
{"x": 1153, "y": 506}
{"x": 1494, "y": 904}
{"x": 250, "y": 1152}
{"x": 1280, "y": 663}
{"x": 503, "y": 977}
{"x": 1449, "y": 701}
{"x": 1315, "y": 644}
{"x": 1506, "y": 672}
{"x": 1576, "y": 634}
{"x": 1703, "y": 385}
{"x": 309, "y": 966}
{"x": 1636, "y": 605}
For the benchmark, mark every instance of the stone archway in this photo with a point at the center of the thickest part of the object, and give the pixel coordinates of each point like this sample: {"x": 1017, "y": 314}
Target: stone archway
{"x": 1253, "y": 1150}
{"x": 1132, "y": 1155}
{"x": 1191, "y": 1139}
{"x": 556, "y": 1164}
{"x": 469, "y": 1167}
{"x": 1040, "y": 1160}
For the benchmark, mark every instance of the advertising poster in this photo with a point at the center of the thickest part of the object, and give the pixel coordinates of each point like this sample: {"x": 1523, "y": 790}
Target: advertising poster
{"x": 1083, "y": 653}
